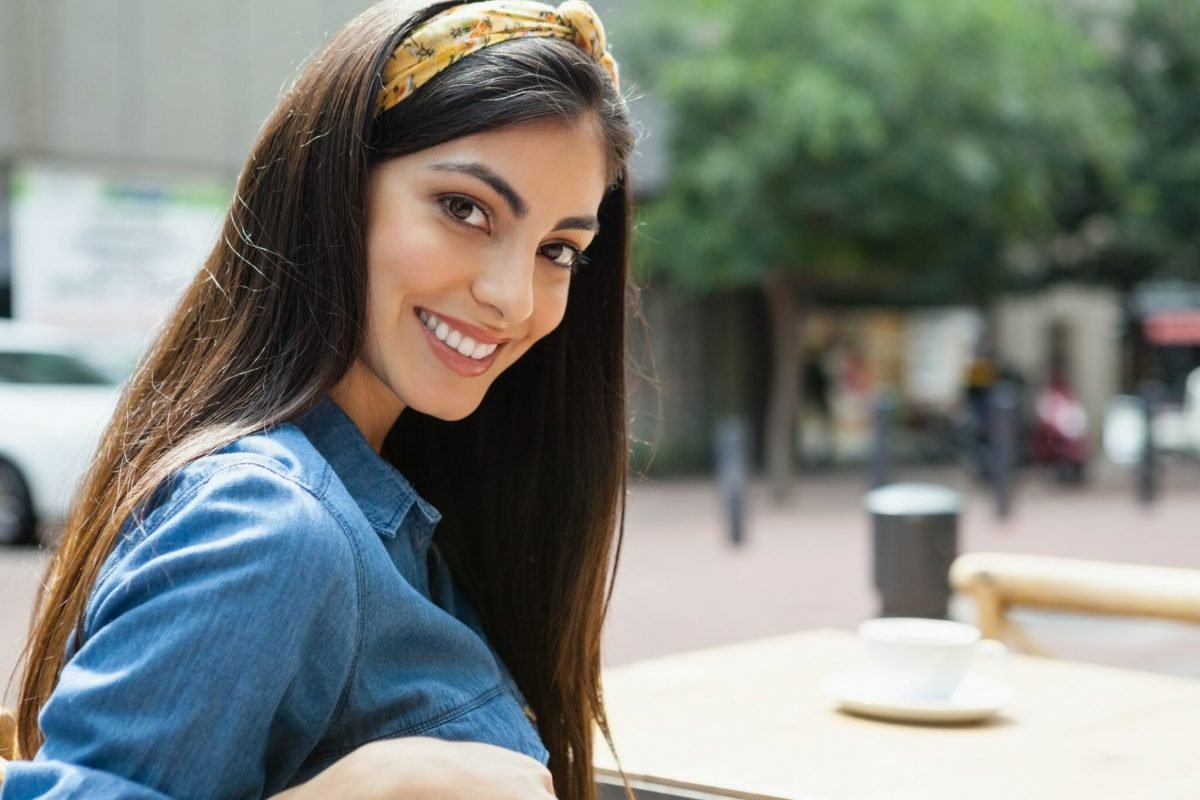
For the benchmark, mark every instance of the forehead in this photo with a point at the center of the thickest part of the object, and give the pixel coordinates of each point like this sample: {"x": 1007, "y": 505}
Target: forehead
{"x": 549, "y": 162}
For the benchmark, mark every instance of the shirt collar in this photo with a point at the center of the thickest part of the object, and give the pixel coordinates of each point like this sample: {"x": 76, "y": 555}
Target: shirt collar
{"x": 384, "y": 495}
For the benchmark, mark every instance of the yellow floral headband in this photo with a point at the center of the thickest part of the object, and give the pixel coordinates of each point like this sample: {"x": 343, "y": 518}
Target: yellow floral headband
{"x": 459, "y": 31}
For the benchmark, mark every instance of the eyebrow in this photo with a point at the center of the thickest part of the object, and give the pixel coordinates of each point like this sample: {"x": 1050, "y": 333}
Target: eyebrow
{"x": 578, "y": 224}
{"x": 515, "y": 202}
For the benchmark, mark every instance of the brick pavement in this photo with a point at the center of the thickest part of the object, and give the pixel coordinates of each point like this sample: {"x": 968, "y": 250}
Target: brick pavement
{"x": 682, "y": 586}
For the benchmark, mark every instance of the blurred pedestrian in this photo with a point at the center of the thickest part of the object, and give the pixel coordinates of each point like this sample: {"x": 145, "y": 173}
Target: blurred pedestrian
{"x": 817, "y": 401}
{"x": 978, "y": 383}
{"x": 419, "y": 287}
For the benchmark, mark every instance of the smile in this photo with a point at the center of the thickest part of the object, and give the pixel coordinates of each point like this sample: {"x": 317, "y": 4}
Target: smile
{"x": 455, "y": 339}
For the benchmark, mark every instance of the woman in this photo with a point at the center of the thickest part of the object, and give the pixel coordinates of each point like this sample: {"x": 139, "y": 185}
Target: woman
{"x": 249, "y": 597}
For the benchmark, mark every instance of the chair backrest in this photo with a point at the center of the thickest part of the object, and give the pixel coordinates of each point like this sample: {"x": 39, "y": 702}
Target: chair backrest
{"x": 999, "y": 581}
{"x": 8, "y": 733}
{"x": 8, "y": 738}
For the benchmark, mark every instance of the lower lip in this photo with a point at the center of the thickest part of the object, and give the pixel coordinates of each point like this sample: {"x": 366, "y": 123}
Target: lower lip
{"x": 464, "y": 365}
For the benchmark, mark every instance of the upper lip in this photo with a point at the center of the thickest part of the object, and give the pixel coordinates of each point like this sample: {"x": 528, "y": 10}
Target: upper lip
{"x": 478, "y": 334}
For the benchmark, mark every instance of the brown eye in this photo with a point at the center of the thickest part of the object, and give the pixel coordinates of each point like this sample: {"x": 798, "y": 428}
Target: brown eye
{"x": 465, "y": 210}
{"x": 562, "y": 254}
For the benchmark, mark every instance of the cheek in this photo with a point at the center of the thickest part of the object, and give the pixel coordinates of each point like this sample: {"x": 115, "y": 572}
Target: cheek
{"x": 550, "y": 307}
{"x": 404, "y": 260}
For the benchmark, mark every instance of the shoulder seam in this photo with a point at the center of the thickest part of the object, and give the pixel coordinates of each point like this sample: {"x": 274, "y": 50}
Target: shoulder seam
{"x": 163, "y": 512}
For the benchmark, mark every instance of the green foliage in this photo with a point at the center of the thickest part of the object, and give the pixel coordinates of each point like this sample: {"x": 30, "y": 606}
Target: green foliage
{"x": 1157, "y": 63}
{"x": 866, "y": 142}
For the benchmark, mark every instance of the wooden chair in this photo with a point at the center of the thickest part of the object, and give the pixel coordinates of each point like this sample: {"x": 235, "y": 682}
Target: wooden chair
{"x": 8, "y": 738}
{"x": 997, "y": 582}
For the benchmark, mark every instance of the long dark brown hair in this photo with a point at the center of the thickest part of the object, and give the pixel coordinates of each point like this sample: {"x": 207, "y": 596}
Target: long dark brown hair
{"x": 276, "y": 316}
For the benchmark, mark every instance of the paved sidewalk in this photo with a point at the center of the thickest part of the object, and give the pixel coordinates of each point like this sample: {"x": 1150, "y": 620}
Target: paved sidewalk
{"x": 682, "y": 586}
{"x": 20, "y": 572}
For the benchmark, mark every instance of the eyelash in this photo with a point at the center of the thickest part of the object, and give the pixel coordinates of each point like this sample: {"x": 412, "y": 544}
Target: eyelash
{"x": 446, "y": 201}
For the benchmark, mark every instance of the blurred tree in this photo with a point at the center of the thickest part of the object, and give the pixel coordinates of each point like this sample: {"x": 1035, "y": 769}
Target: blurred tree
{"x": 889, "y": 149}
{"x": 1148, "y": 225}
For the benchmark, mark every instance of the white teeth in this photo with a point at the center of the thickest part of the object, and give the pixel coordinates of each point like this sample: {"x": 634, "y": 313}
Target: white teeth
{"x": 465, "y": 345}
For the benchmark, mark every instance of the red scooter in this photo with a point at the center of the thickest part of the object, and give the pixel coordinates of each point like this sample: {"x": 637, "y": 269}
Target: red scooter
{"x": 1060, "y": 432}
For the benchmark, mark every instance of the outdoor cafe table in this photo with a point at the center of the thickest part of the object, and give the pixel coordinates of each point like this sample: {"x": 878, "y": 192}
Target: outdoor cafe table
{"x": 751, "y": 720}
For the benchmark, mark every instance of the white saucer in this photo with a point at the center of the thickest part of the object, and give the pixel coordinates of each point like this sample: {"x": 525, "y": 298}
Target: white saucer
{"x": 976, "y": 698}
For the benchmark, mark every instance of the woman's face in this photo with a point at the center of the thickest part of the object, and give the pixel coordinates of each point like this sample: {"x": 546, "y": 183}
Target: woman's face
{"x": 470, "y": 247}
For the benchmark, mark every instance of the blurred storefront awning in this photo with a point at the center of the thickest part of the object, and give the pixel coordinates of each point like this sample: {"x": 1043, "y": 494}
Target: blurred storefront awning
{"x": 1173, "y": 328}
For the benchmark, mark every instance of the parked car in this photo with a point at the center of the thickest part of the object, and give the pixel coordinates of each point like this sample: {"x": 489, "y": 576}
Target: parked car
{"x": 54, "y": 405}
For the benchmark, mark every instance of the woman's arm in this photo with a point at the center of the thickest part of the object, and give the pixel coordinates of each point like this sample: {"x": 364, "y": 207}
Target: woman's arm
{"x": 429, "y": 769}
{"x": 218, "y": 645}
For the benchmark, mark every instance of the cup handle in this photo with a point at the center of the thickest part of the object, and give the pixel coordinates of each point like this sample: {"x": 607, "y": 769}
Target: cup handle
{"x": 991, "y": 659}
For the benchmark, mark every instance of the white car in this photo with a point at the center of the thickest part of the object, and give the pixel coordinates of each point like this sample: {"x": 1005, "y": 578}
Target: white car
{"x": 53, "y": 408}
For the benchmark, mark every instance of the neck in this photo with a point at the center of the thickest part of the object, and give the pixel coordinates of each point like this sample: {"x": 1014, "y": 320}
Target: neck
{"x": 370, "y": 405}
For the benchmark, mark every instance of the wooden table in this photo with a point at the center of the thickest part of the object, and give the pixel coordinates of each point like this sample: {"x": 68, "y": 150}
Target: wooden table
{"x": 751, "y": 720}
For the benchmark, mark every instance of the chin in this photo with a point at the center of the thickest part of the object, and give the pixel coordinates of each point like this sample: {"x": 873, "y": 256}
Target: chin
{"x": 448, "y": 412}
{"x": 454, "y": 416}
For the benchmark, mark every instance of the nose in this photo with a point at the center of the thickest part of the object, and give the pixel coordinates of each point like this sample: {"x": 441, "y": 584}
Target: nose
{"x": 505, "y": 283}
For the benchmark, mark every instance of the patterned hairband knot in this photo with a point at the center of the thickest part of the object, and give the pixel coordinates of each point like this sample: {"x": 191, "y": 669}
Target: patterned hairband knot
{"x": 459, "y": 31}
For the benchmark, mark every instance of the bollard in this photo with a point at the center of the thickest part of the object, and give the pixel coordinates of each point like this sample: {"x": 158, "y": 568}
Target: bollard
{"x": 1006, "y": 426}
{"x": 1150, "y": 392}
{"x": 915, "y": 539}
{"x": 879, "y": 473}
{"x": 730, "y": 446}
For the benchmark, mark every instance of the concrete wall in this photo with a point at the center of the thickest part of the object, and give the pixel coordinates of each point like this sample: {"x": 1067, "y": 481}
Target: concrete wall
{"x": 184, "y": 83}
{"x": 11, "y": 29}
{"x": 697, "y": 360}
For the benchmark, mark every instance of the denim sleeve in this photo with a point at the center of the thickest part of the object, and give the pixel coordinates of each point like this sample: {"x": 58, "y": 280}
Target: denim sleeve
{"x": 218, "y": 649}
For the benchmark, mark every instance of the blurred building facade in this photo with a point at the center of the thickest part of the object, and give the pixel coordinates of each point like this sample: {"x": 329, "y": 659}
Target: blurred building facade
{"x": 144, "y": 110}
{"x": 123, "y": 126}
{"x": 1080, "y": 330}
{"x": 143, "y": 87}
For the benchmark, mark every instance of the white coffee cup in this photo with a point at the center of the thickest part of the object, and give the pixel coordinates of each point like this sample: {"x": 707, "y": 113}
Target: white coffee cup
{"x": 923, "y": 658}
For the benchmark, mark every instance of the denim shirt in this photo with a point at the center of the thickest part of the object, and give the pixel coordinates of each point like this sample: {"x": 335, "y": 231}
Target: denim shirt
{"x": 280, "y": 605}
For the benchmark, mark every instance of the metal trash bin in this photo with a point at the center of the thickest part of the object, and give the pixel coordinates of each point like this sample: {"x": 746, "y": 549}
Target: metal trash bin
{"x": 915, "y": 539}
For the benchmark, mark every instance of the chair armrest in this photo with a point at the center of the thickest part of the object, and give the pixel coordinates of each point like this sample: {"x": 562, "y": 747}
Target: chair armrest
{"x": 8, "y": 739}
{"x": 1074, "y": 585}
